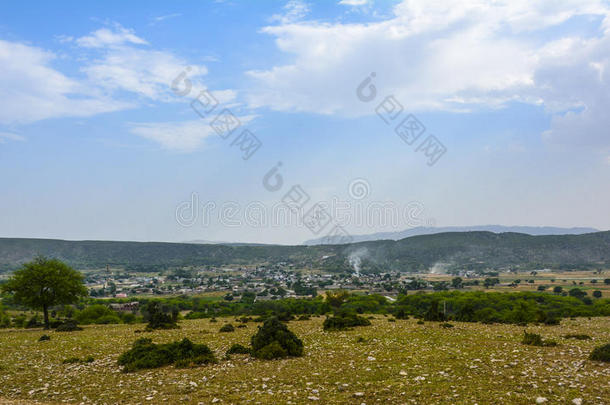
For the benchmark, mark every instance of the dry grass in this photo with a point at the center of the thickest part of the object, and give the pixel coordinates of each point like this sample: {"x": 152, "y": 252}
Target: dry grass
{"x": 398, "y": 362}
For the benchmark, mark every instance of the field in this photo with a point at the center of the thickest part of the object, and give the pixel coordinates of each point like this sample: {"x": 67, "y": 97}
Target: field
{"x": 393, "y": 362}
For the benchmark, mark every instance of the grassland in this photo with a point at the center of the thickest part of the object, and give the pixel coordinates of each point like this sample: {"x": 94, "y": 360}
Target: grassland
{"x": 393, "y": 362}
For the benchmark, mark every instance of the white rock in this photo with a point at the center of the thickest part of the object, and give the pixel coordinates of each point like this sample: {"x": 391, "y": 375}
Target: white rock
{"x": 577, "y": 401}
{"x": 540, "y": 400}
{"x": 371, "y": 358}
{"x": 403, "y": 372}
{"x": 358, "y": 394}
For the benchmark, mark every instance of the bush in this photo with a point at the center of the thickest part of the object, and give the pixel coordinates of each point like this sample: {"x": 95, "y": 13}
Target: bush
{"x": 108, "y": 319}
{"x": 68, "y": 326}
{"x": 577, "y": 337}
{"x": 343, "y": 321}
{"x": 238, "y": 349}
{"x": 73, "y": 360}
{"x": 446, "y": 325}
{"x": 227, "y": 328}
{"x": 144, "y": 354}
{"x": 33, "y": 322}
{"x": 420, "y": 322}
{"x": 44, "y": 338}
{"x": 533, "y": 339}
{"x": 304, "y": 317}
{"x": 159, "y": 317}
{"x": 601, "y": 353}
{"x": 274, "y": 340}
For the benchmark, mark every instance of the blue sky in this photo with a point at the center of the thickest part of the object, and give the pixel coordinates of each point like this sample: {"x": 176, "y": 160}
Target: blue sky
{"x": 95, "y": 144}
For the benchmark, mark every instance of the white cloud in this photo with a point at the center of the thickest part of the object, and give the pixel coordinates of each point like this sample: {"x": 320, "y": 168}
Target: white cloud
{"x": 294, "y": 11}
{"x": 178, "y": 136}
{"x": 121, "y": 71}
{"x": 353, "y": 2}
{"x": 9, "y": 136}
{"x": 107, "y": 37}
{"x": 31, "y": 89}
{"x": 451, "y": 55}
{"x": 184, "y": 136}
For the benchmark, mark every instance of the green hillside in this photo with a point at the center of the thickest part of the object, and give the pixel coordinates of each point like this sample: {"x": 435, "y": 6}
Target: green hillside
{"x": 455, "y": 250}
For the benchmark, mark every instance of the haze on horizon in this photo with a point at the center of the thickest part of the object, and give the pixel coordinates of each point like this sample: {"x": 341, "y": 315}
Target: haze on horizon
{"x": 359, "y": 115}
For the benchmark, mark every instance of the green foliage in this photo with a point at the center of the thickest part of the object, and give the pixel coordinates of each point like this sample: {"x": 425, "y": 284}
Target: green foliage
{"x": 43, "y": 282}
{"x": 73, "y": 360}
{"x": 274, "y": 340}
{"x": 97, "y": 314}
{"x": 144, "y": 354}
{"x": 577, "y": 337}
{"x": 601, "y": 353}
{"x": 446, "y": 325}
{"x": 227, "y": 328}
{"x": 159, "y": 316}
{"x": 44, "y": 338}
{"x": 344, "y": 320}
{"x": 239, "y": 349}
{"x": 533, "y": 339}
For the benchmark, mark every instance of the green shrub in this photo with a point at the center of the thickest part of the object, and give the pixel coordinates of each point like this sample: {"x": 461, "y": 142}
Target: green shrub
{"x": 160, "y": 317}
{"x": 44, "y": 338}
{"x": 238, "y": 349}
{"x": 274, "y": 340}
{"x": 420, "y": 322}
{"x": 577, "y": 337}
{"x": 241, "y": 325}
{"x": 33, "y": 322}
{"x": 73, "y": 360}
{"x": 108, "y": 319}
{"x": 533, "y": 339}
{"x": 304, "y": 317}
{"x": 144, "y": 355}
{"x": 446, "y": 325}
{"x": 68, "y": 326}
{"x": 227, "y": 328}
{"x": 601, "y": 353}
{"x": 343, "y": 321}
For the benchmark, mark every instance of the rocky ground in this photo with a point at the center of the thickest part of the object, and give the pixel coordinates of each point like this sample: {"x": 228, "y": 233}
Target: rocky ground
{"x": 385, "y": 363}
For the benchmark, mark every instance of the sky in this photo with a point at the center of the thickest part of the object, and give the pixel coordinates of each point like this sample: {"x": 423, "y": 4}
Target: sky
{"x": 282, "y": 121}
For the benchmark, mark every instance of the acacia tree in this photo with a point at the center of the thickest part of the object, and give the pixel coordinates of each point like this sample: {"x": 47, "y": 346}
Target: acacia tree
{"x": 43, "y": 283}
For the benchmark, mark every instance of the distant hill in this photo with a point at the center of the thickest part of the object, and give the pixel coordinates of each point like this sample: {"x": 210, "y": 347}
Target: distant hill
{"x": 529, "y": 230}
{"x": 448, "y": 251}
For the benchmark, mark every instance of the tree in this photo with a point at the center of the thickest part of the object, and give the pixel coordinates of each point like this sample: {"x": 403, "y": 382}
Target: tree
{"x": 558, "y": 289}
{"x": 43, "y": 283}
{"x": 457, "y": 282}
{"x": 597, "y": 294}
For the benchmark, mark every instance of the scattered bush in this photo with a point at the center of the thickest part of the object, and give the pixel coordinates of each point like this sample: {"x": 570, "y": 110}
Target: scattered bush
{"x": 533, "y": 339}
{"x": 144, "y": 354}
{"x": 446, "y": 325}
{"x": 213, "y": 320}
{"x": 73, "y": 360}
{"x": 577, "y": 337}
{"x": 238, "y": 349}
{"x": 274, "y": 340}
{"x": 68, "y": 326}
{"x": 241, "y": 325}
{"x": 304, "y": 317}
{"x": 160, "y": 317}
{"x": 420, "y": 322}
{"x": 343, "y": 321}
{"x": 601, "y": 353}
{"x": 44, "y": 338}
{"x": 227, "y": 328}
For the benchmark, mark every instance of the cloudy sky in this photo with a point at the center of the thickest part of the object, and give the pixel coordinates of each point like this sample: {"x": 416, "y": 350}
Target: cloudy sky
{"x": 164, "y": 120}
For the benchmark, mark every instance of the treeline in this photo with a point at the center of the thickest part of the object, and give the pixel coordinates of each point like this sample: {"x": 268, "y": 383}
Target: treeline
{"x": 469, "y": 306}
